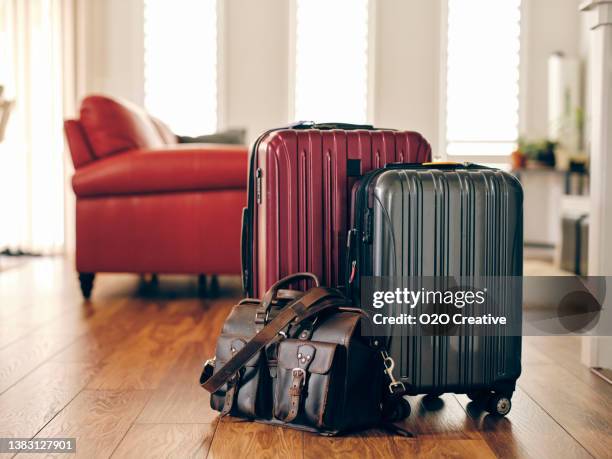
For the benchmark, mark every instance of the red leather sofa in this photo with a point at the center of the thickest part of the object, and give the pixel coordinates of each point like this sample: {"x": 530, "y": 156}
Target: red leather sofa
{"x": 145, "y": 204}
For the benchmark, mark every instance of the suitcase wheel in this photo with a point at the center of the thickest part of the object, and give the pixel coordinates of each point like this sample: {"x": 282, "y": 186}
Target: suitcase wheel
{"x": 396, "y": 410}
{"x": 499, "y": 404}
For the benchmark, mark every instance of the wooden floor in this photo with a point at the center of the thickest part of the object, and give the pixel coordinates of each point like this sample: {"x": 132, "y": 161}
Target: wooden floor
{"x": 120, "y": 374}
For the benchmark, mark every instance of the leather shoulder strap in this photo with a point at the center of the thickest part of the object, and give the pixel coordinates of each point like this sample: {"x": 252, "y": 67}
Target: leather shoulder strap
{"x": 301, "y": 309}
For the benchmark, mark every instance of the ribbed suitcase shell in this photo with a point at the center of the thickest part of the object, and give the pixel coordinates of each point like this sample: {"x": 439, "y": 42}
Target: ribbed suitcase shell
{"x": 298, "y": 214}
{"x": 449, "y": 221}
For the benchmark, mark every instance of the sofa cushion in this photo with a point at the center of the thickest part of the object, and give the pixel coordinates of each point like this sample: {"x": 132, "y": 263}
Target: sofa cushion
{"x": 165, "y": 132}
{"x": 114, "y": 126}
{"x": 170, "y": 169}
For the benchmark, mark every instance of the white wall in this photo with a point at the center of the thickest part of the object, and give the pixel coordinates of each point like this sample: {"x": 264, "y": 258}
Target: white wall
{"x": 255, "y": 81}
{"x": 551, "y": 25}
{"x": 256, "y": 64}
{"x": 407, "y": 61}
{"x": 112, "y": 53}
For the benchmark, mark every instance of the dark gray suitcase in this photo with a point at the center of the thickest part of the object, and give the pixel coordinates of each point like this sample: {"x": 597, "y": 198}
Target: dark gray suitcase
{"x": 436, "y": 221}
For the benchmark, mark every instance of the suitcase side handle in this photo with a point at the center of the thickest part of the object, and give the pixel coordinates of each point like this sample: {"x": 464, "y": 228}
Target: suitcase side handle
{"x": 245, "y": 247}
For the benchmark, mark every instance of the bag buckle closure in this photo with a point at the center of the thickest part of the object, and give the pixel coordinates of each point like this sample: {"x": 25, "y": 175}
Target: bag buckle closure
{"x": 395, "y": 386}
{"x": 299, "y": 373}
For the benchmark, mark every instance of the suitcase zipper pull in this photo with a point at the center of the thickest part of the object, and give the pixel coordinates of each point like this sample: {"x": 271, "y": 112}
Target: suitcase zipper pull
{"x": 353, "y": 271}
{"x": 350, "y": 243}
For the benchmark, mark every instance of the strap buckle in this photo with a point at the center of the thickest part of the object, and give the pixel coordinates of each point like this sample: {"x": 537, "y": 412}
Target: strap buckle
{"x": 395, "y": 386}
{"x": 299, "y": 380}
{"x": 299, "y": 373}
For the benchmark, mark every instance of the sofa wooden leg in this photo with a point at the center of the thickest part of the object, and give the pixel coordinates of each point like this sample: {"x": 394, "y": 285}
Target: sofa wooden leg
{"x": 86, "y": 280}
{"x": 202, "y": 285}
{"x": 214, "y": 286}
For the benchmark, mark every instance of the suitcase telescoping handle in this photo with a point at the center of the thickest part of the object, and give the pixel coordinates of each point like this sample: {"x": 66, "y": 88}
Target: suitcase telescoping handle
{"x": 442, "y": 165}
{"x": 331, "y": 125}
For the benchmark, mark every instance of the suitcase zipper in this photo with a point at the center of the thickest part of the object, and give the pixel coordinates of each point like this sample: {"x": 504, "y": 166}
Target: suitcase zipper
{"x": 368, "y": 223}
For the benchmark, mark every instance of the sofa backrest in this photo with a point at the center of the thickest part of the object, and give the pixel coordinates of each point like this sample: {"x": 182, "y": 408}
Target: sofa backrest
{"x": 80, "y": 150}
{"x": 113, "y": 126}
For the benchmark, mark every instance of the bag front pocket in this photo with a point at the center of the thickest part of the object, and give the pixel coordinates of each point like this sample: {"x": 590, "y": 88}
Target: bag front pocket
{"x": 305, "y": 385}
{"x": 248, "y": 393}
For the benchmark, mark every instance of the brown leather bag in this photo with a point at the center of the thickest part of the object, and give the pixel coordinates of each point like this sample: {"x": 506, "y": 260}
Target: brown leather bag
{"x": 297, "y": 359}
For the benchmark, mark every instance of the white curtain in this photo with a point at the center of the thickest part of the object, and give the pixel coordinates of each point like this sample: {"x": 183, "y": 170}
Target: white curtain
{"x": 32, "y": 49}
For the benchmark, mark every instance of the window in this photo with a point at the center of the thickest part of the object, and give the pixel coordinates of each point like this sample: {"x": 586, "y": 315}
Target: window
{"x": 31, "y": 153}
{"x": 331, "y": 60}
{"x": 181, "y": 64}
{"x": 482, "y": 77}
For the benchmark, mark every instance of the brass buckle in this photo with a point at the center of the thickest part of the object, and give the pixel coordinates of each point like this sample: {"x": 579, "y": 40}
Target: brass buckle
{"x": 299, "y": 373}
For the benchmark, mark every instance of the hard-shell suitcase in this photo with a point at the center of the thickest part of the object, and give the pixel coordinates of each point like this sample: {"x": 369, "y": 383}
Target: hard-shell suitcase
{"x": 438, "y": 222}
{"x": 300, "y": 180}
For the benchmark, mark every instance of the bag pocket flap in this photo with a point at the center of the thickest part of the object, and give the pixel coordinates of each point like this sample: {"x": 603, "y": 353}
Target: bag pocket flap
{"x": 312, "y": 356}
{"x": 228, "y": 345}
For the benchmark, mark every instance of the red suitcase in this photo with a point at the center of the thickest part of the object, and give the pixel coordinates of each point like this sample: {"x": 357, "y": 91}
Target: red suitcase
{"x": 300, "y": 179}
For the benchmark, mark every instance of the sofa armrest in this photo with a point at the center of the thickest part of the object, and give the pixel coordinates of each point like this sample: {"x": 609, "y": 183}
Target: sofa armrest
{"x": 194, "y": 167}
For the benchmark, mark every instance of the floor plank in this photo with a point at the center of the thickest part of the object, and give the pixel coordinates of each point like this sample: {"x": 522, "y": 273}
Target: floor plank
{"x": 369, "y": 444}
{"x": 432, "y": 448}
{"x": 24, "y": 355}
{"x": 251, "y": 439}
{"x": 40, "y": 345}
{"x": 97, "y": 419}
{"x": 145, "y": 358}
{"x": 179, "y": 398}
{"x": 581, "y": 411}
{"x": 564, "y": 351}
{"x": 528, "y": 431}
{"x": 99, "y": 342}
{"x": 169, "y": 441}
{"x": 35, "y": 400}
{"x": 442, "y": 418}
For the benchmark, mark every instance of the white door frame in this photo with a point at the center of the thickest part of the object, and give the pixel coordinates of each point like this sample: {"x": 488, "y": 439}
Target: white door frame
{"x": 597, "y": 351}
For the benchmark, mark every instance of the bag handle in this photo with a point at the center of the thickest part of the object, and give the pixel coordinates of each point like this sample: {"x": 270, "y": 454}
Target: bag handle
{"x": 272, "y": 292}
{"x": 295, "y": 312}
